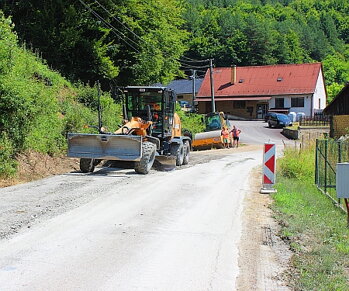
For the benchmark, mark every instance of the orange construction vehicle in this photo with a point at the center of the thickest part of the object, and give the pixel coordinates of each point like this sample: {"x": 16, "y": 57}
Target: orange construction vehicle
{"x": 211, "y": 138}
{"x": 151, "y": 132}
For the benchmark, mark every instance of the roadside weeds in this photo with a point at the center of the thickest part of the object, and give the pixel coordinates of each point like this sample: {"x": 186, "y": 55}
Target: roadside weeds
{"x": 316, "y": 232}
{"x": 314, "y": 229}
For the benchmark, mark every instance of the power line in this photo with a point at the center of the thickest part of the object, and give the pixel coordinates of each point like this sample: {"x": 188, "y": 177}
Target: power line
{"x": 135, "y": 45}
{"x": 186, "y": 66}
{"x": 190, "y": 60}
{"x": 110, "y": 26}
{"x": 119, "y": 21}
{"x": 186, "y": 59}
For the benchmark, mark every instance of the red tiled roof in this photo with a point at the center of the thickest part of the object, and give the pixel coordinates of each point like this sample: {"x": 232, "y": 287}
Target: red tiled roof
{"x": 233, "y": 98}
{"x": 263, "y": 80}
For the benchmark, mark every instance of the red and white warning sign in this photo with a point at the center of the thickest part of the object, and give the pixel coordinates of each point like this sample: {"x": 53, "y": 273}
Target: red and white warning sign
{"x": 269, "y": 165}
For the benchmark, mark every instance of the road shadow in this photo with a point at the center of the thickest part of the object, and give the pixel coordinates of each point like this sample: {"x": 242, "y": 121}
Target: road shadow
{"x": 103, "y": 172}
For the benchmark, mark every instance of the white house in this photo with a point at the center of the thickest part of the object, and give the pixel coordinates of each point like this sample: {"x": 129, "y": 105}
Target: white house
{"x": 252, "y": 91}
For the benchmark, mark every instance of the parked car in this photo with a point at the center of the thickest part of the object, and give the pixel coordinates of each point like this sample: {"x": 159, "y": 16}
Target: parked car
{"x": 279, "y": 120}
{"x": 184, "y": 104}
{"x": 268, "y": 115}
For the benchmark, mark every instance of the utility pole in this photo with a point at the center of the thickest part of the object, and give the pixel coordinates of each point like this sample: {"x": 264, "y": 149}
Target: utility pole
{"x": 194, "y": 89}
{"x": 99, "y": 107}
{"x": 213, "y": 105}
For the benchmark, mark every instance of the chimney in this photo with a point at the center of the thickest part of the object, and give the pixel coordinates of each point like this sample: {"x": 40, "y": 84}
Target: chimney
{"x": 233, "y": 75}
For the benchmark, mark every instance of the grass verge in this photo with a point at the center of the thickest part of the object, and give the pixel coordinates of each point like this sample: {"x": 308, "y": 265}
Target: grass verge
{"x": 312, "y": 226}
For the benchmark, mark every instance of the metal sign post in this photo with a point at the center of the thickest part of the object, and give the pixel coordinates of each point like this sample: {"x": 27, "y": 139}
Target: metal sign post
{"x": 342, "y": 184}
{"x": 269, "y": 166}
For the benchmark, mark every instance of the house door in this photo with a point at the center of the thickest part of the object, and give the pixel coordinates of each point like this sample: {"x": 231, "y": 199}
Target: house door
{"x": 261, "y": 110}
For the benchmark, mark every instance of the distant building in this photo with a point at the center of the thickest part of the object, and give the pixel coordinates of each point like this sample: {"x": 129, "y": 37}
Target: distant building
{"x": 252, "y": 91}
{"x": 184, "y": 89}
{"x": 339, "y": 110}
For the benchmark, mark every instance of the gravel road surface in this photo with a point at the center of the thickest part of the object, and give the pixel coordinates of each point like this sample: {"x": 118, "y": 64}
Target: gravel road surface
{"x": 116, "y": 230}
{"x": 121, "y": 231}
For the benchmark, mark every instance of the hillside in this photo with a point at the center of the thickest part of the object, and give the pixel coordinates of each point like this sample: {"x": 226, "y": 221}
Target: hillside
{"x": 133, "y": 42}
{"x": 272, "y": 32}
{"x": 38, "y": 106}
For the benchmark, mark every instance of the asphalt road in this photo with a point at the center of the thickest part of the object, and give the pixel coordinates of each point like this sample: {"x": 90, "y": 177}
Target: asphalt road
{"x": 165, "y": 231}
{"x": 257, "y": 132}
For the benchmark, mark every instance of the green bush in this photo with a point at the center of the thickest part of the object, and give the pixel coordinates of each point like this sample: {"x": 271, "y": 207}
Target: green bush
{"x": 190, "y": 121}
{"x": 38, "y": 107}
{"x": 298, "y": 164}
{"x": 77, "y": 117}
{"x": 8, "y": 165}
{"x": 111, "y": 112}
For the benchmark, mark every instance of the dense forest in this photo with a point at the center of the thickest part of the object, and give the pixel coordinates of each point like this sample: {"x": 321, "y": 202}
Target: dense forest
{"x": 141, "y": 42}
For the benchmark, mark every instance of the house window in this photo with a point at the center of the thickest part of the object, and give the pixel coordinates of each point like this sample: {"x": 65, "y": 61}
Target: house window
{"x": 279, "y": 103}
{"x": 239, "y": 104}
{"x": 179, "y": 96}
{"x": 297, "y": 102}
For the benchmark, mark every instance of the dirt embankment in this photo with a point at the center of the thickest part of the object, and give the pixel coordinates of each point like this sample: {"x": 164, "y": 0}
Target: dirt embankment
{"x": 33, "y": 166}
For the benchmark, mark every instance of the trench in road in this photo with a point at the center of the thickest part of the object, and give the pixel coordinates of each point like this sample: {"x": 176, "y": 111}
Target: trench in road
{"x": 166, "y": 231}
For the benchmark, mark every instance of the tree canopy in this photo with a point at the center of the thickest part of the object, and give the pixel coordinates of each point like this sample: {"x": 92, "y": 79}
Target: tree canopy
{"x": 143, "y": 42}
{"x": 130, "y": 42}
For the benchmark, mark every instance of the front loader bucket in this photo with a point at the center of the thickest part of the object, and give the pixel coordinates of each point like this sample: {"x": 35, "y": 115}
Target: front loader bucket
{"x": 164, "y": 163}
{"x": 105, "y": 146}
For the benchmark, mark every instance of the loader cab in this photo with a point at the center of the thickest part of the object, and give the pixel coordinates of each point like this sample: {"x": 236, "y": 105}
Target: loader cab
{"x": 158, "y": 100}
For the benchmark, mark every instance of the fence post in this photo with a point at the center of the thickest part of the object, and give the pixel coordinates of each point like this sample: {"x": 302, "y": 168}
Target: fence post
{"x": 339, "y": 161}
{"x": 326, "y": 146}
{"x": 316, "y": 162}
{"x": 331, "y": 127}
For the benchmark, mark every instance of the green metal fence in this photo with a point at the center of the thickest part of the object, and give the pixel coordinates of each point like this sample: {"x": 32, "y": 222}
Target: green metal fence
{"x": 329, "y": 152}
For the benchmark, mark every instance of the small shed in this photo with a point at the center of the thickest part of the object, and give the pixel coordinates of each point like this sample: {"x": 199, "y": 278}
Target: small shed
{"x": 338, "y": 109}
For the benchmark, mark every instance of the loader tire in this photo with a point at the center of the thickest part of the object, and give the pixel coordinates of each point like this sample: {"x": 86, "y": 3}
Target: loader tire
{"x": 177, "y": 150}
{"x": 87, "y": 165}
{"x": 147, "y": 160}
{"x": 186, "y": 153}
